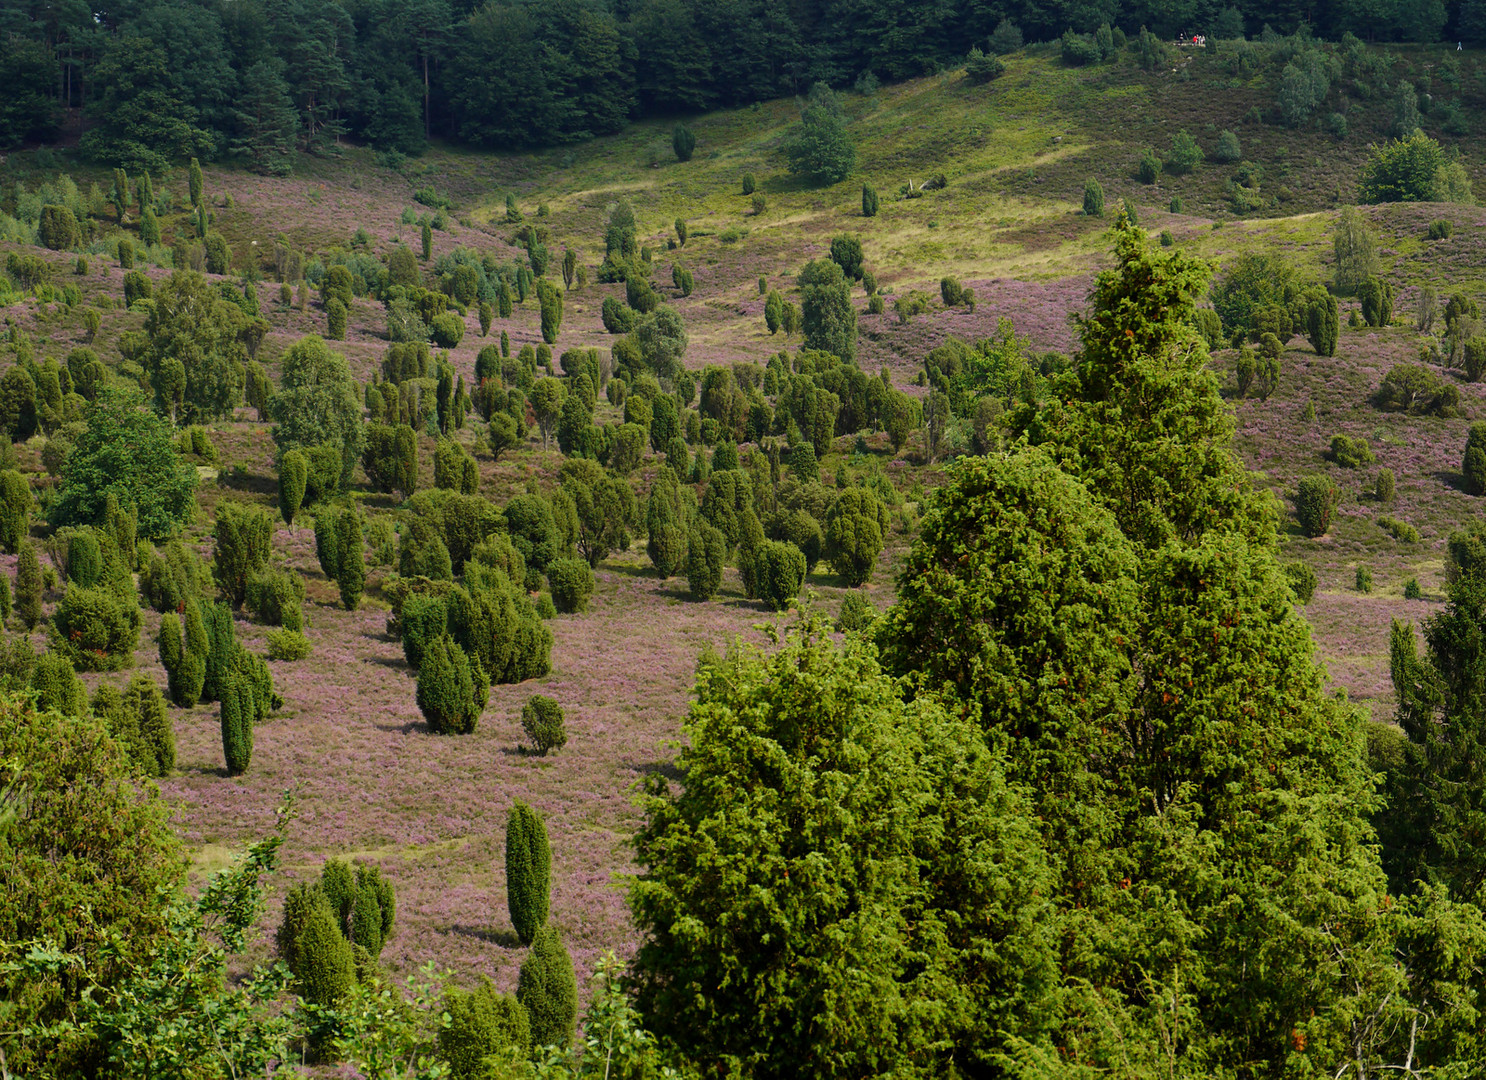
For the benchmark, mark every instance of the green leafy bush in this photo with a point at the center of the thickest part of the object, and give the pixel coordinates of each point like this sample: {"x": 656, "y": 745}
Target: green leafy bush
{"x": 778, "y": 572}
{"x": 1363, "y": 579}
{"x": 706, "y": 548}
{"x": 1315, "y": 503}
{"x": 483, "y": 1025}
{"x": 1401, "y": 531}
{"x": 854, "y": 530}
{"x": 276, "y": 598}
{"x": 571, "y": 582}
{"x": 1302, "y": 580}
{"x": 1350, "y": 453}
{"x": 286, "y": 644}
{"x": 446, "y": 330}
{"x": 542, "y": 720}
{"x": 1185, "y": 154}
{"x": 1474, "y": 464}
{"x": 451, "y": 691}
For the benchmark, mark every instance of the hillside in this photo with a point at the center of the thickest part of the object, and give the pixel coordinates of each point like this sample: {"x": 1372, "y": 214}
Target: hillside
{"x": 1015, "y": 154}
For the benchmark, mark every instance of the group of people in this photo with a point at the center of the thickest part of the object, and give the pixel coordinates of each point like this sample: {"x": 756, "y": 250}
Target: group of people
{"x": 1195, "y": 41}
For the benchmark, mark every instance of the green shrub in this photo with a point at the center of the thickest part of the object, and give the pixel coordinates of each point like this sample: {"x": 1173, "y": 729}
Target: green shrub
{"x": 1228, "y": 149}
{"x": 276, "y": 598}
{"x": 546, "y": 609}
{"x": 1149, "y": 169}
{"x": 1093, "y": 198}
{"x": 1185, "y": 154}
{"x": 170, "y": 577}
{"x": 373, "y": 911}
{"x": 1006, "y": 38}
{"x": 857, "y": 612}
{"x": 482, "y": 1024}
{"x": 1401, "y": 531}
{"x": 288, "y": 645}
{"x": 571, "y": 582}
{"x": 57, "y": 686}
{"x": 870, "y": 206}
{"x": 528, "y": 871}
{"x": 683, "y": 142}
{"x": 58, "y": 229}
{"x": 1382, "y": 487}
{"x": 28, "y": 586}
{"x": 294, "y": 474}
{"x": 96, "y": 628}
{"x": 244, "y": 540}
{"x": 16, "y": 505}
{"x": 854, "y": 528}
{"x": 1474, "y": 465}
{"x": 778, "y": 570}
{"x": 423, "y": 619}
{"x": 981, "y": 68}
{"x": 548, "y": 989}
{"x": 1363, "y": 579}
{"x": 325, "y": 963}
{"x": 542, "y": 720}
{"x": 1315, "y": 503}
{"x": 451, "y": 694}
{"x": 236, "y": 715}
{"x": 5, "y": 600}
{"x": 1377, "y": 302}
{"x": 1350, "y": 453}
{"x": 1440, "y": 229}
{"x": 84, "y": 559}
{"x": 1411, "y": 590}
{"x": 137, "y": 287}
{"x": 446, "y": 330}
{"x": 1302, "y": 581}
{"x": 706, "y": 548}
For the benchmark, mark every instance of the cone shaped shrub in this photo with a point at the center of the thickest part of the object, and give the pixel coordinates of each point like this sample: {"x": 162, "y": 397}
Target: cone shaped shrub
{"x": 338, "y": 883}
{"x": 548, "y": 990}
{"x": 446, "y": 688}
{"x": 299, "y": 904}
{"x": 84, "y": 559}
{"x": 294, "y": 475}
{"x": 327, "y": 965}
{"x": 528, "y": 871}
{"x": 244, "y": 540}
{"x": 705, "y": 551}
{"x": 57, "y": 685}
{"x": 28, "y": 586}
{"x": 236, "y": 713}
{"x": 423, "y": 619}
{"x": 216, "y": 621}
{"x": 571, "y": 582}
{"x": 156, "y": 737}
{"x": 778, "y": 573}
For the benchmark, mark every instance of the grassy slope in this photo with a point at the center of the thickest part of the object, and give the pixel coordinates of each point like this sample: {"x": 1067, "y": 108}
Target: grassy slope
{"x": 372, "y": 783}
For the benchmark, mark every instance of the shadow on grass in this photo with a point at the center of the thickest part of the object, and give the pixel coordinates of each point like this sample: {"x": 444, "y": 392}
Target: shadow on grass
{"x": 1452, "y": 480}
{"x": 246, "y": 481}
{"x": 506, "y": 939}
{"x": 520, "y": 751}
{"x": 397, "y": 663}
{"x": 412, "y": 727}
{"x": 667, "y": 769}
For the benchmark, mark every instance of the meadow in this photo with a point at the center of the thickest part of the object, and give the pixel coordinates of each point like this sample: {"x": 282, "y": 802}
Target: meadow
{"x": 370, "y": 781}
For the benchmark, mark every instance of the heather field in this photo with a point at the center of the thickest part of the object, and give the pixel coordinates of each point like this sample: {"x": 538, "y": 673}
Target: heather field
{"x": 369, "y": 779}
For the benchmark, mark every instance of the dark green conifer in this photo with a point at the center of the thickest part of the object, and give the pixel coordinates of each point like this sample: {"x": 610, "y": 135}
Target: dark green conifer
{"x": 548, "y": 990}
{"x": 528, "y": 871}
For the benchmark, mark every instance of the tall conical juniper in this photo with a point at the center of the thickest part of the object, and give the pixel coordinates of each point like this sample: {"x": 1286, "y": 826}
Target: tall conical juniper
{"x": 528, "y": 871}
